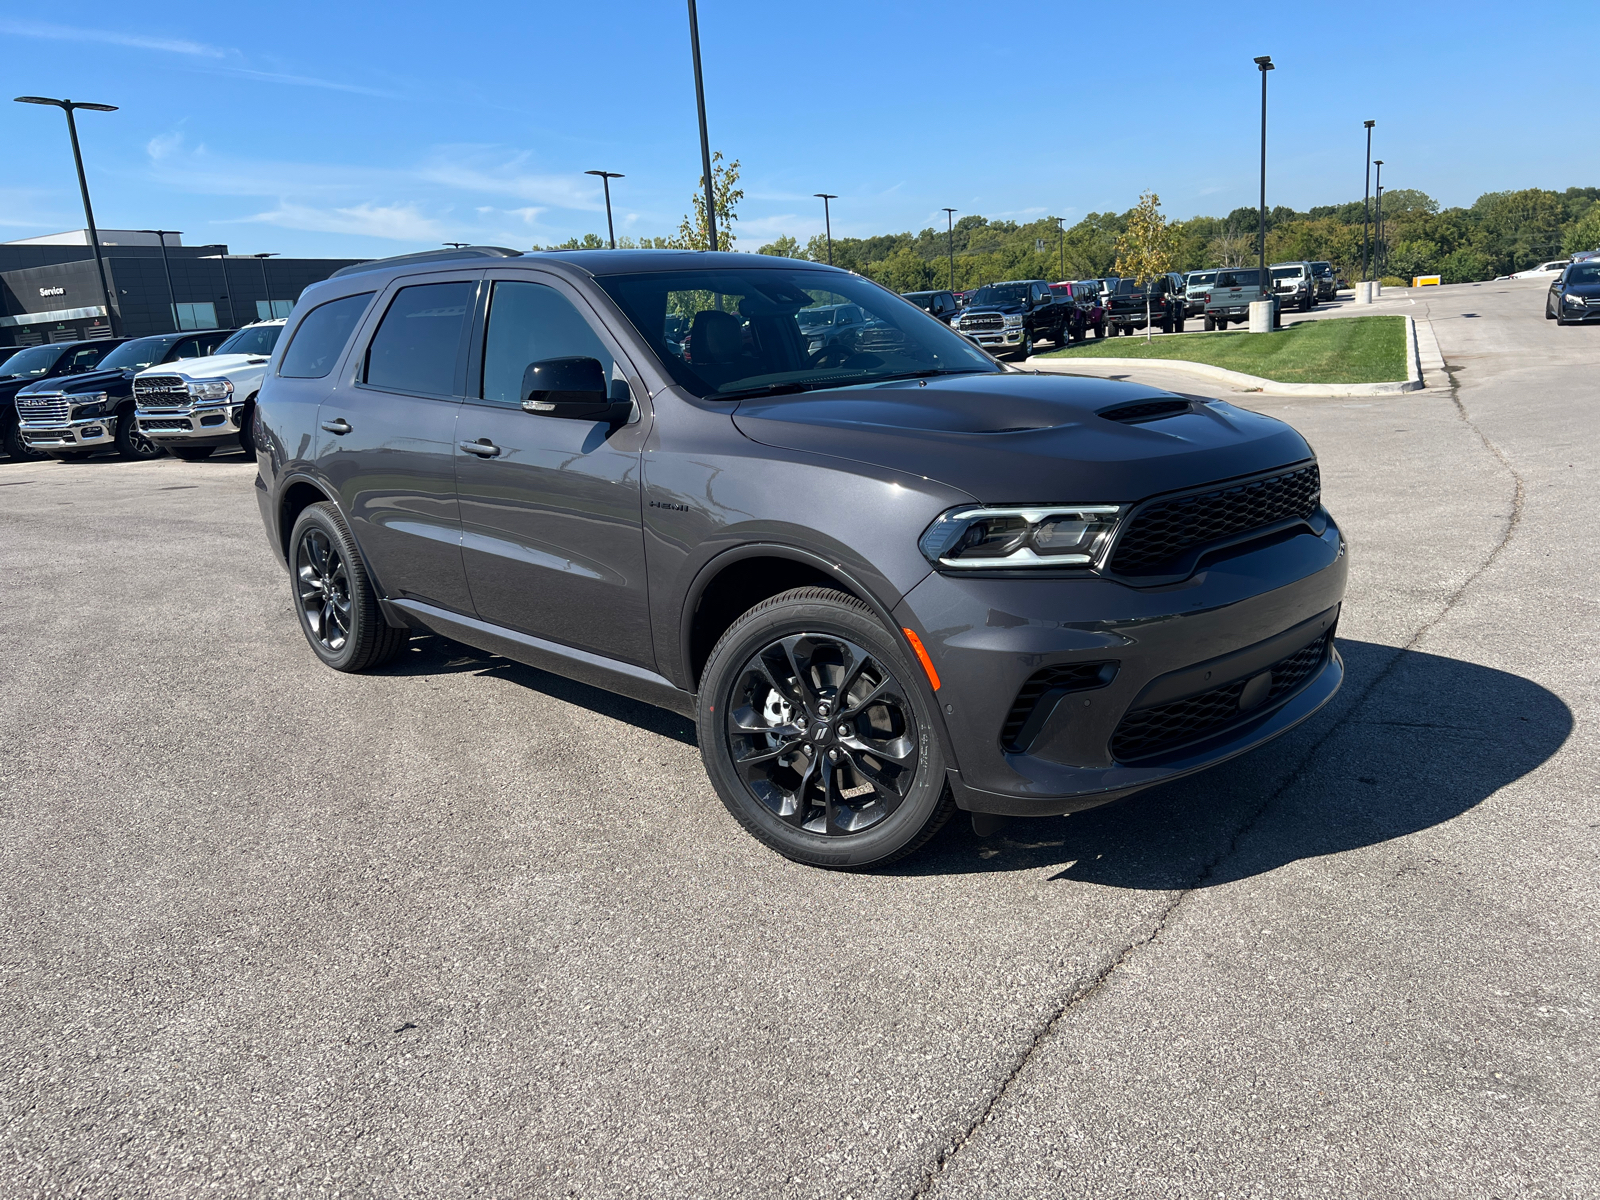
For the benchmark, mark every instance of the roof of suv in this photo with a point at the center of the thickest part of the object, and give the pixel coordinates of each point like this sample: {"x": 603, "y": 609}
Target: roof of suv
{"x": 594, "y": 262}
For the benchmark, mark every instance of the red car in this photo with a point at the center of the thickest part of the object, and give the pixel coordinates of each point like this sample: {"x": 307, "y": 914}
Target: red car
{"x": 1086, "y": 311}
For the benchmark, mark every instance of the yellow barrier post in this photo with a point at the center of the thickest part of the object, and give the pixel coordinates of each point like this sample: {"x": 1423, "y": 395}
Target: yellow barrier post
{"x": 1425, "y": 281}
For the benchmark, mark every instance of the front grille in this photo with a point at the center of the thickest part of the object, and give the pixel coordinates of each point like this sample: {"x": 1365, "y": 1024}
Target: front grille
{"x": 1162, "y": 530}
{"x": 1146, "y": 731}
{"x": 163, "y": 425}
{"x": 983, "y": 321}
{"x": 161, "y": 391}
{"x": 43, "y": 409}
{"x": 1150, "y": 410}
{"x": 1039, "y": 694}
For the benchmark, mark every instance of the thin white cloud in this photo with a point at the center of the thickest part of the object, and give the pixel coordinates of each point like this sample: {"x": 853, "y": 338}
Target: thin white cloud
{"x": 111, "y": 37}
{"x": 488, "y": 171}
{"x": 397, "y": 222}
{"x": 299, "y": 81}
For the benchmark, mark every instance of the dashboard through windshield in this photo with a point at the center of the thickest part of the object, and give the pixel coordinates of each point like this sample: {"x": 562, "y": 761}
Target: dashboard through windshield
{"x": 729, "y": 333}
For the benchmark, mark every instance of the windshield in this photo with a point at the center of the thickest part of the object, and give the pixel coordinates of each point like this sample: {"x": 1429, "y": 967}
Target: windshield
{"x": 921, "y": 299}
{"x": 252, "y": 339}
{"x": 729, "y": 332}
{"x": 816, "y": 318}
{"x": 1231, "y": 279}
{"x": 33, "y": 363}
{"x": 137, "y": 354}
{"x": 1202, "y": 277}
{"x": 1587, "y": 273}
{"x": 1002, "y": 293}
{"x": 1127, "y": 287}
{"x": 1322, "y": 268}
{"x": 1287, "y": 272}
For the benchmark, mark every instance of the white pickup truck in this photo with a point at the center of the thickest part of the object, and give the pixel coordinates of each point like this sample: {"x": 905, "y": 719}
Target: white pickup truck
{"x": 194, "y": 407}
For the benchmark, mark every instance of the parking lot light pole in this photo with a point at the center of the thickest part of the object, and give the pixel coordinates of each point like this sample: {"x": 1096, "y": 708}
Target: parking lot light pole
{"x": 949, "y": 220}
{"x": 1061, "y": 245}
{"x": 67, "y": 107}
{"x": 266, "y": 289}
{"x": 705, "y": 138}
{"x": 1265, "y": 64}
{"x": 1377, "y": 220}
{"x": 827, "y": 221}
{"x": 227, "y": 287}
{"x": 605, "y": 178}
{"x": 172, "y": 298}
{"x": 1366, "y": 195}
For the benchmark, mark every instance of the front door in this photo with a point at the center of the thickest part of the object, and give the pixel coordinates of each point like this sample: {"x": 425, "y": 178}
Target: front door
{"x": 551, "y": 529}
{"x": 387, "y": 439}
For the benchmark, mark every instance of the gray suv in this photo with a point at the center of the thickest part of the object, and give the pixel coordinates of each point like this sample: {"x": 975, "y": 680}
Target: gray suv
{"x": 889, "y": 583}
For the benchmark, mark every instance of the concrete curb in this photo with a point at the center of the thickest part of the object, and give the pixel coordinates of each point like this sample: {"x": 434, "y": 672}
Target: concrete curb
{"x": 1255, "y": 383}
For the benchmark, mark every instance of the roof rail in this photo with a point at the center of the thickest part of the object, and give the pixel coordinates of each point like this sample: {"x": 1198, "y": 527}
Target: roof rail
{"x": 426, "y": 256}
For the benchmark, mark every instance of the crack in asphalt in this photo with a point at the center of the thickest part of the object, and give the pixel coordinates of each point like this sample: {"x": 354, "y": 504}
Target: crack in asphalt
{"x": 1045, "y": 1029}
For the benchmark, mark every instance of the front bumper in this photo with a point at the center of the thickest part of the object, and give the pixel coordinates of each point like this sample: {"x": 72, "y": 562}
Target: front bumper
{"x": 994, "y": 337}
{"x": 1229, "y": 623}
{"x": 1573, "y": 312}
{"x": 85, "y": 433}
{"x": 203, "y": 424}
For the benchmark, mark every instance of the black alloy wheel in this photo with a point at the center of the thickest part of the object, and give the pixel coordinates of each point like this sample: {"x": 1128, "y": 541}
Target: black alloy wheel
{"x": 337, "y": 606}
{"x": 1027, "y": 343}
{"x": 18, "y": 449}
{"x": 815, "y": 737}
{"x": 131, "y": 443}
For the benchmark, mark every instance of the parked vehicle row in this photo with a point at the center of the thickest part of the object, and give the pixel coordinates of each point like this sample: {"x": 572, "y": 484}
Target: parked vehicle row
{"x": 1131, "y": 305}
{"x": 633, "y": 468}
{"x": 187, "y": 393}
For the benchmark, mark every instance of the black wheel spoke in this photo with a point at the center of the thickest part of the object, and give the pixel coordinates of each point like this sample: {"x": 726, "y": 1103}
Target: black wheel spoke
{"x": 877, "y": 693}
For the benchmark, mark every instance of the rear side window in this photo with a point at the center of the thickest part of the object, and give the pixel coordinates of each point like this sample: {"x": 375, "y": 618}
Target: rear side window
{"x": 419, "y": 341}
{"x": 321, "y": 337}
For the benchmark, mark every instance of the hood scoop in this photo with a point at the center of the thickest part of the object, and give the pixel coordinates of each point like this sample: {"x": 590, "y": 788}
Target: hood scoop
{"x": 1150, "y": 410}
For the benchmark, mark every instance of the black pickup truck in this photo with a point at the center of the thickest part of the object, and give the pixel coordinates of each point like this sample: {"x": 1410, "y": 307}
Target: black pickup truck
{"x": 1013, "y": 316}
{"x": 1159, "y": 301}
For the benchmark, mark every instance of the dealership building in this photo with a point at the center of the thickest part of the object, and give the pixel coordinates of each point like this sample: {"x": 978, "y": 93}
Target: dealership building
{"x": 50, "y": 288}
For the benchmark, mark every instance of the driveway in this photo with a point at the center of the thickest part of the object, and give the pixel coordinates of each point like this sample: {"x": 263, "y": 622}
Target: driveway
{"x": 462, "y": 928}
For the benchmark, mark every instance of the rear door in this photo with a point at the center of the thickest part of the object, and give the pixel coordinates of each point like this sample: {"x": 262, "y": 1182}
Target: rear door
{"x": 387, "y": 437}
{"x": 553, "y": 539}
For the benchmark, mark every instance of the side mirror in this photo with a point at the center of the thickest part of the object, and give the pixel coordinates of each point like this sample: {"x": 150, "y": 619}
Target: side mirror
{"x": 573, "y": 388}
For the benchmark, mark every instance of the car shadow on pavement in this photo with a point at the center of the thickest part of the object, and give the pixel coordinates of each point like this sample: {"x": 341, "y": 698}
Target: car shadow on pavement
{"x": 428, "y": 654}
{"x": 1434, "y": 738}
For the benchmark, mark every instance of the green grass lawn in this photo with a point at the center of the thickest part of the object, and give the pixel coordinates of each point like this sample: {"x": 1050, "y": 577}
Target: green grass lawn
{"x": 1339, "y": 350}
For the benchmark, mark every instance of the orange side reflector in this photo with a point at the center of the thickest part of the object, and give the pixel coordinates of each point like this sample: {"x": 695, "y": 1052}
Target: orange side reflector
{"x": 922, "y": 656}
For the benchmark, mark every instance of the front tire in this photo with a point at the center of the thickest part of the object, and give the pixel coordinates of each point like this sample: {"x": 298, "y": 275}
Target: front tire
{"x": 132, "y": 444}
{"x": 333, "y": 595}
{"x": 1026, "y": 349}
{"x": 18, "y": 449}
{"x": 850, "y": 793}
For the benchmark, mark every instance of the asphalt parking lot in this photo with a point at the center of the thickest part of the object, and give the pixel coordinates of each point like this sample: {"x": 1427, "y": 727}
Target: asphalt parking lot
{"x": 461, "y": 928}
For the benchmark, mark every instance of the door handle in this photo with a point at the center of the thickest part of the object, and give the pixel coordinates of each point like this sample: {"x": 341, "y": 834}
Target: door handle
{"x": 483, "y": 447}
{"x": 339, "y": 425}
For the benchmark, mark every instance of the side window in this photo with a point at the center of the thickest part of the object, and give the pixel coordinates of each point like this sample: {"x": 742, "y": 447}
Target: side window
{"x": 187, "y": 348}
{"x": 85, "y": 359}
{"x": 530, "y": 322}
{"x": 419, "y": 340}
{"x": 321, "y": 337}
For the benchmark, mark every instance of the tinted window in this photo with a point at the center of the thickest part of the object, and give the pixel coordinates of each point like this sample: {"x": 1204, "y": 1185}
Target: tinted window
{"x": 1587, "y": 273}
{"x": 321, "y": 337}
{"x": 139, "y": 353}
{"x": 252, "y": 339}
{"x": 1231, "y": 279}
{"x": 32, "y": 363}
{"x": 416, "y": 346}
{"x": 188, "y": 348}
{"x": 530, "y": 322}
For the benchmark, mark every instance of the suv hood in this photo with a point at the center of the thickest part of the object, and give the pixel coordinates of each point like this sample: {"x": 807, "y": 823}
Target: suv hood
{"x": 1015, "y": 438}
{"x": 210, "y": 368}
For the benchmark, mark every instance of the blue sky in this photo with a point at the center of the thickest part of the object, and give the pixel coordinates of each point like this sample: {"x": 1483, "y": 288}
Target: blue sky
{"x": 359, "y": 129}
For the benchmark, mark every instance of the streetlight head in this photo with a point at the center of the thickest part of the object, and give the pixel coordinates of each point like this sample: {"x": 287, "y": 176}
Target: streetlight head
{"x": 1377, "y": 162}
{"x": 97, "y": 107}
{"x": 269, "y": 254}
{"x": 1369, "y": 124}
{"x": 40, "y": 100}
{"x": 1265, "y": 62}
{"x": 607, "y": 174}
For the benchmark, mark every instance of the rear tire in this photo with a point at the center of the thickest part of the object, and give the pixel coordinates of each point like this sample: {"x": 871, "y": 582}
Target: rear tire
{"x": 816, "y": 794}
{"x": 1210, "y": 323}
{"x": 1100, "y": 330}
{"x": 191, "y": 453}
{"x": 132, "y": 444}
{"x": 333, "y": 594}
{"x": 1177, "y": 325}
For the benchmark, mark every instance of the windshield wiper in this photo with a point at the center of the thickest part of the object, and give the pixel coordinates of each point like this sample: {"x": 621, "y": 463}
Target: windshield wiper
{"x": 929, "y": 374}
{"x": 769, "y": 389}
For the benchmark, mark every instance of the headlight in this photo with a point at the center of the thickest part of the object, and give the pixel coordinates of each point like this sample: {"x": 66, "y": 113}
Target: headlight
{"x": 1571, "y": 299}
{"x": 1012, "y": 320}
{"x": 92, "y": 406}
{"x": 211, "y": 389}
{"x": 1059, "y": 535}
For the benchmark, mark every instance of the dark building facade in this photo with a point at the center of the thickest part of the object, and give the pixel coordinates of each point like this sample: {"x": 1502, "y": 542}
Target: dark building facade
{"x": 51, "y": 293}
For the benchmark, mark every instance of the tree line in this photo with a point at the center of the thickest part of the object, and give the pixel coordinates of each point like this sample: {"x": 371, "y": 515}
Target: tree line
{"x": 1499, "y": 233}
